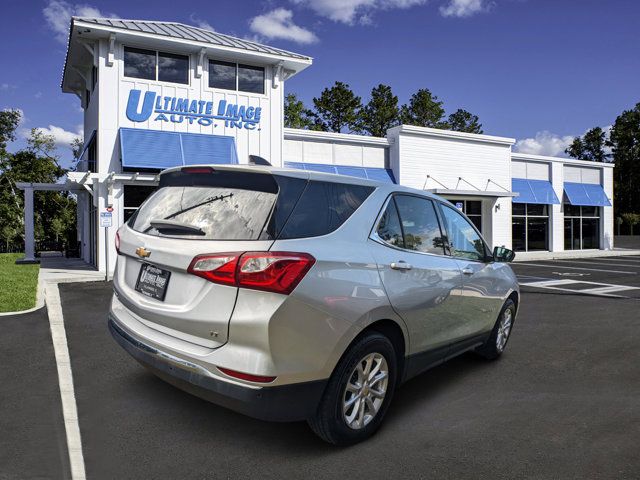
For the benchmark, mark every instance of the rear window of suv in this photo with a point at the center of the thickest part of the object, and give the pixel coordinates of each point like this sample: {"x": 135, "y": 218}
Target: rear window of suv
{"x": 231, "y": 205}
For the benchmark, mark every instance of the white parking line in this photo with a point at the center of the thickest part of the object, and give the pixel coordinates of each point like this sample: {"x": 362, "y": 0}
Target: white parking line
{"x": 575, "y": 268}
{"x": 589, "y": 262}
{"x": 65, "y": 380}
{"x": 600, "y": 289}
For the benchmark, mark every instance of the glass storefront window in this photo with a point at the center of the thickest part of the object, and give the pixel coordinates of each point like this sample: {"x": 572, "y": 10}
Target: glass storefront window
{"x": 472, "y": 209}
{"x": 581, "y": 227}
{"x": 530, "y": 227}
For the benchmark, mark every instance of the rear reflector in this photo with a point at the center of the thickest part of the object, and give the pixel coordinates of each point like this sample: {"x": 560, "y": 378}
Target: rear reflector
{"x": 117, "y": 242}
{"x": 246, "y": 376}
{"x": 278, "y": 272}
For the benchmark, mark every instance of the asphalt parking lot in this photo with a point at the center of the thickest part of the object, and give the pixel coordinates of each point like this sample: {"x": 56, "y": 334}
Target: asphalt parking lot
{"x": 562, "y": 402}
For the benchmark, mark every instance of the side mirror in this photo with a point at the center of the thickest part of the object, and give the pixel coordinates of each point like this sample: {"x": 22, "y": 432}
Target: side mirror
{"x": 502, "y": 254}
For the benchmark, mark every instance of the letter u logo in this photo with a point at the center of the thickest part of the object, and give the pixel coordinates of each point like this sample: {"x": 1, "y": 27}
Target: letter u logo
{"x": 147, "y": 106}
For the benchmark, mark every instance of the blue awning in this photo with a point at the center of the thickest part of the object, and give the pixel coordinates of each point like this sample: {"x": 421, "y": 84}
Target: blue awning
{"x": 154, "y": 149}
{"x": 534, "y": 191}
{"x": 384, "y": 175}
{"x": 586, "y": 194}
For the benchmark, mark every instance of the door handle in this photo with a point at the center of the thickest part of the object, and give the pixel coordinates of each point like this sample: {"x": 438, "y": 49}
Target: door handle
{"x": 467, "y": 271}
{"x": 401, "y": 265}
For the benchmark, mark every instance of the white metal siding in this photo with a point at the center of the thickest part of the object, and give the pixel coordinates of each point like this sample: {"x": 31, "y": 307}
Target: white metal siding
{"x": 581, "y": 174}
{"x": 530, "y": 170}
{"x": 333, "y": 152}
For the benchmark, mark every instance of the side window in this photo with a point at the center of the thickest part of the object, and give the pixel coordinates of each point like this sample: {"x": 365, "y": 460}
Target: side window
{"x": 323, "y": 208}
{"x": 389, "y": 228}
{"x": 420, "y": 224}
{"x": 464, "y": 241}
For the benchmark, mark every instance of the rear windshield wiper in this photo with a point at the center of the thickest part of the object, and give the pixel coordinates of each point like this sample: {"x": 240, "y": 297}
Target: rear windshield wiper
{"x": 175, "y": 228}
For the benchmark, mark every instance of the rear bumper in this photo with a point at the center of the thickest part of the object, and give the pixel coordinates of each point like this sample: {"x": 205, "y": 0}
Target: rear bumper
{"x": 282, "y": 403}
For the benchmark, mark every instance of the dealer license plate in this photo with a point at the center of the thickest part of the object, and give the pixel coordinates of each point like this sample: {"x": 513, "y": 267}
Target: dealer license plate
{"x": 153, "y": 281}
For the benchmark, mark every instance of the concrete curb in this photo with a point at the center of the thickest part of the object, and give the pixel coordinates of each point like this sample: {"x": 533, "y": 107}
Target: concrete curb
{"x": 570, "y": 255}
{"x": 65, "y": 380}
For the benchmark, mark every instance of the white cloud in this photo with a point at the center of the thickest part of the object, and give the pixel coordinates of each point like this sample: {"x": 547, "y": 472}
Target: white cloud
{"x": 58, "y": 14}
{"x": 544, "y": 143}
{"x": 61, "y": 137}
{"x": 279, "y": 24}
{"x": 464, "y": 8}
{"x": 354, "y": 11}
{"x": 7, "y": 86}
{"x": 200, "y": 23}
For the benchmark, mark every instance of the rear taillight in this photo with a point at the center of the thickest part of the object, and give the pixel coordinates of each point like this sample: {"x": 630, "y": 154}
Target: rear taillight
{"x": 278, "y": 272}
{"x": 117, "y": 242}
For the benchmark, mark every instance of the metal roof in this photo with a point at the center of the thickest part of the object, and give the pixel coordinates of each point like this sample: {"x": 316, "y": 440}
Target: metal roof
{"x": 188, "y": 32}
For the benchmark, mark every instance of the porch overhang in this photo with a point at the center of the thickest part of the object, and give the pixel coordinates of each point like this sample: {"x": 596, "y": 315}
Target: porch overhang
{"x": 471, "y": 193}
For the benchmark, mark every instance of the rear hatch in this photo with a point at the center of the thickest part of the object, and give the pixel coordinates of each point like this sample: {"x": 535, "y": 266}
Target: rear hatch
{"x": 198, "y": 210}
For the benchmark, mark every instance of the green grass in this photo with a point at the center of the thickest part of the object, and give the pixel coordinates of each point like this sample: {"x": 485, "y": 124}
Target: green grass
{"x": 18, "y": 283}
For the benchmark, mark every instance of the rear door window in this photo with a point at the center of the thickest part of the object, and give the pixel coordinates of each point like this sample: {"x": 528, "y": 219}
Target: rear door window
{"x": 323, "y": 208}
{"x": 420, "y": 224}
{"x": 389, "y": 229}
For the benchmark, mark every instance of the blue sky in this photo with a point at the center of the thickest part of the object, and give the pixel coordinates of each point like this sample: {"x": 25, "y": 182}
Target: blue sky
{"x": 541, "y": 71}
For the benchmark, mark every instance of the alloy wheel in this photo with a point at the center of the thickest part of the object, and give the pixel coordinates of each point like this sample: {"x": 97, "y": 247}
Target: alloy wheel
{"x": 365, "y": 391}
{"x": 504, "y": 329}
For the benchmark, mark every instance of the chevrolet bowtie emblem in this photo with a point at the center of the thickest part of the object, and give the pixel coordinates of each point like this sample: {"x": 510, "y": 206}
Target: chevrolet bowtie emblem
{"x": 142, "y": 252}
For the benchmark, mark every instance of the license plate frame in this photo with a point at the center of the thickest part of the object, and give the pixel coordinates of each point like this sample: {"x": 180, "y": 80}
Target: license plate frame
{"x": 153, "y": 281}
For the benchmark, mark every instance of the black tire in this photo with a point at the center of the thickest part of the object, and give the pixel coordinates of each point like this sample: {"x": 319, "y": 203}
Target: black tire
{"x": 490, "y": 349}
{"x": 328, "y": 423}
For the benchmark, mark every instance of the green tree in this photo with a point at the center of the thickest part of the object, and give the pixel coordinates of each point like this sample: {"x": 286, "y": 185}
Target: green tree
{"x": 296, "y": 115}
{"x": 381, "y": 112}
{"x": 463, "y": 121}
{"x": 624, "y": 140}
{"x": 631, "y": 219}
{"x": 36, "y": 163}
{"x": 337, "y": 109}
{"x": 9, "y": 120}
{"x": 423, "y": 110}
{"x": 591, "y": 146}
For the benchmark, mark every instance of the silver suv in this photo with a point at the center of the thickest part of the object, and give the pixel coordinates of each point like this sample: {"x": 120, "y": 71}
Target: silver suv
{"x": 292, "y": 295}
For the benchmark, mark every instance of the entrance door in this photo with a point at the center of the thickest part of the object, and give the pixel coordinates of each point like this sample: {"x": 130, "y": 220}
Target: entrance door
{"x": 93, "y": 237}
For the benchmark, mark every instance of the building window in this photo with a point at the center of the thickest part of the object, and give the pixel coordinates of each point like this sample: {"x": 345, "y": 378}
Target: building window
{"x": 92, "y": 155}
{"x": 530, "y": 227}
{"x": 134, "y": 195}
{"x": 250, "y": 79}
{"x": 158, "y": 66}
{"x": 222, "y": 75}
{"x": 472, "y": 209}
{"x": 173, "y": 68}
{"x": 94, "y": 78}
{"x": 231, "y": 76}
{"x": 581, "y": 227}
{"x": 139, "y": 63}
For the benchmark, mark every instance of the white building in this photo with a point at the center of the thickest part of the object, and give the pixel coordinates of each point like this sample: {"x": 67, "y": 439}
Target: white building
{"x": 158, "y": 94}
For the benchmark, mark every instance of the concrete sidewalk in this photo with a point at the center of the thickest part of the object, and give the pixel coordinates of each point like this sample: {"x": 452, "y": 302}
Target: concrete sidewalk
{"x": 570, "y": 254}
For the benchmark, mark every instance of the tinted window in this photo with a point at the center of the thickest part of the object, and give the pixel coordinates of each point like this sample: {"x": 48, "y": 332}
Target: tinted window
{"x": 139, "y": 63}
{"x": 222, "y": 75}
{"x": 323, "y": 207}
{"x": 250, "y": 79}
{"x": 464, "y": 241}
{"x": 221, "y": 213}
{"x": 389, "y": 228}
{"x": 419, "y": 224}
{"x": 173, "y": 68}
